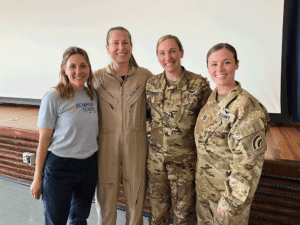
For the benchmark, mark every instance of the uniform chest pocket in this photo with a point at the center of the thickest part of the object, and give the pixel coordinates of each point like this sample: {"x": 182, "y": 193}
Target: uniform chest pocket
{"x": 212, "y": 128}
{"x": 156, "y": 118}
{"x": 192, "y": 97}
{"x": 216, "y": 137}
{"x": 220, "y": 136}
{"x": 154, "y": 102}
{"x": 187, "y": 113}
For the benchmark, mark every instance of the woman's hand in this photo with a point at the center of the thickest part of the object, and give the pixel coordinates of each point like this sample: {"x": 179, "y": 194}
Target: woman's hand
{"x": 223, "y": 213}
{"x": 207, "y": 81}
{"x": 36, "y": 188}
{"x": 42, "y": 152}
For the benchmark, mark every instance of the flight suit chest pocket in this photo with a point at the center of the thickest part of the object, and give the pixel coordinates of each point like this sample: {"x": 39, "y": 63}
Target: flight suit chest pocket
{"x": 107, "y": 96}
{"x": 133, "y": 97}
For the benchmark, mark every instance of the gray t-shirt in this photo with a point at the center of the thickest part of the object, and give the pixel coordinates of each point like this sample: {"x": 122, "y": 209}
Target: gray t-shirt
{"x": 75, "y": 124}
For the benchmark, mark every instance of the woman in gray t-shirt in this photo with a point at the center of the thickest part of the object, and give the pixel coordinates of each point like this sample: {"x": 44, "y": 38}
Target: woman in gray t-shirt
{"x": 66, "y": 164}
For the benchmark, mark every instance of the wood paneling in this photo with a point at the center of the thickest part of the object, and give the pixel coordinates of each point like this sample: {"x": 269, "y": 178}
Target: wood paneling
{"x": 283, "y": 142}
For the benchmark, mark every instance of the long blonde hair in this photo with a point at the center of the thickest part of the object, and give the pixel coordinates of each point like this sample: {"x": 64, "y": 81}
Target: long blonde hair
{"x": 64, "y": 89}
{"x": 108, "y": 36}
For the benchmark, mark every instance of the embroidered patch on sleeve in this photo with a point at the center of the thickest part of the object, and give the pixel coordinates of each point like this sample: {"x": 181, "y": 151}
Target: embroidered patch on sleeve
{"x": 257, "y": 142}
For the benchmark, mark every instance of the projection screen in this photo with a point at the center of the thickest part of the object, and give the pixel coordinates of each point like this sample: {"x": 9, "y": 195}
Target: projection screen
{"x": 34, "y": 35}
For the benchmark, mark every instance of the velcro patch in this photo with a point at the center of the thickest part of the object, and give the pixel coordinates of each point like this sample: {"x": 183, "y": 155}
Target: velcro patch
{"x": 226, "y": 114}
{"x": 257, "y": 142}
{"x": 254, "y": 144}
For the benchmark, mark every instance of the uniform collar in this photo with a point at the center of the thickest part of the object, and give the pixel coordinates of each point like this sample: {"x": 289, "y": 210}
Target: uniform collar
{"x": 110, "y": 70}
{"x": 181, "y": 84}
{"x": 230, "y": 96}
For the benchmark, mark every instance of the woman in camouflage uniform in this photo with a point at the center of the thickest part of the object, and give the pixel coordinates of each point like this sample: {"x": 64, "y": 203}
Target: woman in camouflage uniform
{"x": 175, "y": 98}
{"x": 230, "y": 137}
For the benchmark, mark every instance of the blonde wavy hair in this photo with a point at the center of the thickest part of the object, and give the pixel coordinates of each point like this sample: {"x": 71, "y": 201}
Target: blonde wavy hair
{"x": 64, "y": 89}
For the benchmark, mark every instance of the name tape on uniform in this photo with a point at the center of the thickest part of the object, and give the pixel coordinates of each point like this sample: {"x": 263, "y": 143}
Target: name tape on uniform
{"x": 226, "y": 114}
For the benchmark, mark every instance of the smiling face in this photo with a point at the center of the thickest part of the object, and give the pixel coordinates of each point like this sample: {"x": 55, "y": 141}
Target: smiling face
{"x": 221, "y": 68}
{"x": 119, "y": 47}
{"x": 169, "y": 55}
{"x": 77, "y": 70}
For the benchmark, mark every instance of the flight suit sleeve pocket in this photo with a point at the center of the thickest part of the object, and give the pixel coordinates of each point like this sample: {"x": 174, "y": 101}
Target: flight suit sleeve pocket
{"x": 253, "y": 138}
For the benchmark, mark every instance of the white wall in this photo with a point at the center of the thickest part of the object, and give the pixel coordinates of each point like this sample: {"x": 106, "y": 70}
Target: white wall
{"x": 35, "y": 33}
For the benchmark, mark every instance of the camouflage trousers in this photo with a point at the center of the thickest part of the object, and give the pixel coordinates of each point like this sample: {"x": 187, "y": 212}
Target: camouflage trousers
{"x": 207, "y": 213}
{"x": 164, "y": 193}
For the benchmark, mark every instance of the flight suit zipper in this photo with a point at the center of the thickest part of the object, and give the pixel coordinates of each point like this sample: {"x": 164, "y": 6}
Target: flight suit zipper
{"x": 121, "y": 87}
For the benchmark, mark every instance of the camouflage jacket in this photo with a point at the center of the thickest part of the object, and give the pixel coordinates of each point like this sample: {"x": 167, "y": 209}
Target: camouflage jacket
{"x": 174, "y": 112}
{"x": 230, "y": 139}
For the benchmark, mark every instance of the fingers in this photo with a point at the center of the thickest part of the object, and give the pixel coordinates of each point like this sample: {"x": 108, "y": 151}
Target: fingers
{"x": 35, "y": 193}
{"x": 227, "y": 214}
{"x": 223, "y": 213}
{"x": 207, "y": 81}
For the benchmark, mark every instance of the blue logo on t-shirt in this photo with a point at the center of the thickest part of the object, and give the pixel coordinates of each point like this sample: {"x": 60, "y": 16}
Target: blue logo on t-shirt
{"x": 86, "y": 107}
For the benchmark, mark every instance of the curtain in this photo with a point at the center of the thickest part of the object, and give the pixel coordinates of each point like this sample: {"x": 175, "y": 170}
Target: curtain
{"x": 293, "y": 60}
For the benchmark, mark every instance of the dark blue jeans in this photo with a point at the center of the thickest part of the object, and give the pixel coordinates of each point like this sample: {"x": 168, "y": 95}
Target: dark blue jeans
{"x": 68, "y": 189}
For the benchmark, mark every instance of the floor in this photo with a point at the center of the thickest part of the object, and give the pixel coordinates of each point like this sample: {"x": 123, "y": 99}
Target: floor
{"x": 284, "y": 142}
{"x": 19, "y": 208}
